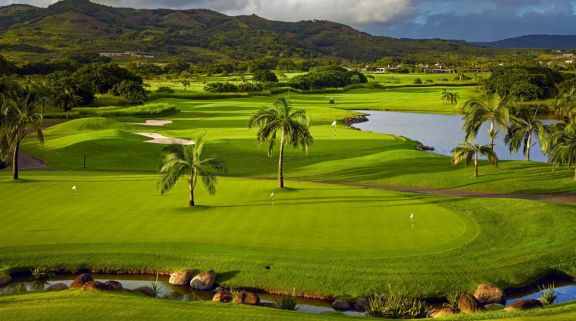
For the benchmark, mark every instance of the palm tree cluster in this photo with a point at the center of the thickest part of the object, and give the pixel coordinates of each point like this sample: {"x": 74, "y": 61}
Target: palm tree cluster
{"x": 450, "y": 97}
{"x": 21, "y": 113}
{"x": 524, "y": 130}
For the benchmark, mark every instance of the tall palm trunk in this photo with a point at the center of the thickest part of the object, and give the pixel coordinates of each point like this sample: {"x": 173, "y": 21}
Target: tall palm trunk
{"x": 476, "y": 163}
{"x": 15, "y": 154}
{"x": 491, "y": 134}
{"x": 528, "y": 145}
{"x": 281, "y": 161}
{"x": 192, "y": 181}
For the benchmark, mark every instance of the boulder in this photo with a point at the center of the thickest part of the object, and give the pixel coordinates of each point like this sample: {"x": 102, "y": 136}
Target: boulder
{"x": 222, "y": 296}
{"x": 204, "y": 281}
{"x": 80, "y": 280}
{"x": 94, "y": 286}
{"x": 182, "y": 277}
{"x": 57, "y": 287}
{"x": 114, "y": 285}
{"x": 340, "y": 305}
{"x": 487, "y": 294}
{"x": 5, "y": 278}
{"x": 527, "y": 304}
{"x": 494, "y": 306}
{"x": 245, "y": 297}
{"x": 361, "y": 304}
{"x": 441, "y": 312}
{"x": 468, "y": 303}
{"x": 146, "y": 290}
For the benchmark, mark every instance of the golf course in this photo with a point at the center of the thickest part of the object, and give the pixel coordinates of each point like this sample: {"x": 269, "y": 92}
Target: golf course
{"x": 342, "y": 226}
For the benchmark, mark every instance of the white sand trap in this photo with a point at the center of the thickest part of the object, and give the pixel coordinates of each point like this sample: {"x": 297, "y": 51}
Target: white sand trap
{"x": 161, "y": 139}
{"x": 154, "y": 122}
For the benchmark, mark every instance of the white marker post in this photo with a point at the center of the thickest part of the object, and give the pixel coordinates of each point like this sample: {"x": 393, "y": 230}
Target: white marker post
{"x": 334, "y": 126}
{"x": 272, "y": 197}
{"x": 412, "y": 220}
{"x": 75, "y": 190}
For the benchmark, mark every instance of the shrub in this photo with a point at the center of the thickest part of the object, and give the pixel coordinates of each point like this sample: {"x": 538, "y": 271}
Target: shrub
{"x": 418, "y": 81}
{"x": 166, "y": 90}
{"x": 221, "y": 87}
{"x": 395, "y": 306}
{"x": 131, "y": 90}
{"x": 548, "y": 294}
{"x": 452, "y": 299}
{"x": 265, "y": 76}
{"x": 250, "y": 87}
{"x": 287, "y": 302}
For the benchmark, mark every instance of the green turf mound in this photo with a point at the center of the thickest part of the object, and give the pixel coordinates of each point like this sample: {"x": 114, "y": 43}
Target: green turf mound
{"x": 86, "y": 124}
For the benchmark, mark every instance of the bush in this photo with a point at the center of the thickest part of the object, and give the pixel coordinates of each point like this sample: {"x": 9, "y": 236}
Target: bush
{"x": 221, "y": 87}
{"x": 417, "y": 81}
{"x": 250, "y": 87}
{"x": 395, "y": 306}
{"x": 166, "y": 90}
{"x": 131, "y": 90}
{"x": 327, "y": 77}
{"x": 287, "y": 302}
{"x": 548, "y": 294}
{"x": 265, "y": 76}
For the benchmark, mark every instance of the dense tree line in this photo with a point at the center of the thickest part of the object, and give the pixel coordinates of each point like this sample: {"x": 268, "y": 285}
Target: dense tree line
{"x": 327, "y": 77}
{"x": 525, "y": 83}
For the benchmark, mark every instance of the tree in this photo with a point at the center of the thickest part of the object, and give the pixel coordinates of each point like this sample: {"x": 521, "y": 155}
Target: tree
{"x": 466, "y": 152}
{"x": 131, "y": 90}
{"x": 186, "y": 83}
{"x": 22, "y": 113}
{"x": 562, "y": 144}
{"x": 523, "y": 127}
{"x": 181, "y": 160}
{"x": 265, "y": 76}
{"x": 491, "y": 108}
{"x": 566, "y": 101}
{"x": 292, "y": 125}
{"x": 450, "y": 97}
{"x": 65, "y": 92}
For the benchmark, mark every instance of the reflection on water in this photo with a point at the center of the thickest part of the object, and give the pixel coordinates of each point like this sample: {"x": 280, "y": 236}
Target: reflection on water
{"x": 443, "y": 132}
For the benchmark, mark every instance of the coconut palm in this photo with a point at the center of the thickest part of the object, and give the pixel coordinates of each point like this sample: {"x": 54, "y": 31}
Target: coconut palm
{"x": 524, "y": 126}
{"x": 492, "y": 109}
{"x": 186, "y": 160}
{"x": 566, "y": 102}
{"x": 450, "y": 97}
{"x": 468, "y": 152}
{"x": 293, "y": 126}
{"x": 562, "y": 144}
{"x": 22, "y": 113}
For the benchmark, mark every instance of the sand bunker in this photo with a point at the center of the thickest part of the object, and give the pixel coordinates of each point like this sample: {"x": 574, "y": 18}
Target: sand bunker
{"x": 161, "y": 139}
{"x": 153, "y": 122}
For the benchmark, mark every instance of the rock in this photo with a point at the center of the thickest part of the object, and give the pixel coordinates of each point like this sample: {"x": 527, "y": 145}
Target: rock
{"x": 487, "y": 294}
{"x": 182, "y": 277}
{"x": 204, "y": 281}
{"x": 361, "y": 304}
{"x": 468, "y": 303}
{"x": 94, "y": 286}
{"x": 245, "y": 297}
{"x": 114, "y": 285}
{"x": 80, "y": 280}
{"x": 146, "y": 290}
{"x": 57, "y": 287}
{"x": 340, "y": 305}
{"x": 222, "y": 296}
{"x": 527, "y": 304}
{"x": 494, "y": 306}
{"x": 5, "y": 279}
{"x": 441, "y": 312}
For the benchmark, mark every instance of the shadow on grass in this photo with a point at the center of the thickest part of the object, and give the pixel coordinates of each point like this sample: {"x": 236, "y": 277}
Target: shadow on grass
{"x": 225, "y": 276}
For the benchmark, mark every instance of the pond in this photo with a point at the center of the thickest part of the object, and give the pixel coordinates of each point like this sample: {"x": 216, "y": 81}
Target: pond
{"x": 443, "y": 132}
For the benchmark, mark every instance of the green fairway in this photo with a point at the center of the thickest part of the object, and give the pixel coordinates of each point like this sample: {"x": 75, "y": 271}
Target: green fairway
{"x": 318, "y": 238}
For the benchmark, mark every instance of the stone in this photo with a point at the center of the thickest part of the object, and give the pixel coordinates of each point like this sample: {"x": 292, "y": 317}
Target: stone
{"x": 94, "y": 286}
{"x": 361, "y": 304}
{"x": 222, "y": 296}
{"x": 182, "y": 277}
{"x": 146, "y": 290}
{"x": 114, "y": 285}
{"x": 468, "y": 303}
{"x": 5, "y": 278}
{"x": 57, "y": 287}
{"x": 80, "y": 280}
{"x": 204, "y": 281}
{"x": 340, "y": 305}
{"x": 245, "y": 297}
{"x": 441, "y": 312}
{"x": 488, "y": 293}
{"x": 527, "y": 304}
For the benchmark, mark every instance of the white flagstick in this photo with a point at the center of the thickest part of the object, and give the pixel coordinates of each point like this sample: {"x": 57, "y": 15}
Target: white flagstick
{"x": 334, "y": 126}
{"x": 272, "y": 197}
{"x": 412, "y": 219}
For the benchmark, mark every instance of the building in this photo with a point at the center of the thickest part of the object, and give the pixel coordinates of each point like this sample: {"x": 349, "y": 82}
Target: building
{"x": 134, "y": 54}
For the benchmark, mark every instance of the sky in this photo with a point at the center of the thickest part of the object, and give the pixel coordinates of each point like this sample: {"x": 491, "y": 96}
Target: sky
{"x": 471, "y": 20}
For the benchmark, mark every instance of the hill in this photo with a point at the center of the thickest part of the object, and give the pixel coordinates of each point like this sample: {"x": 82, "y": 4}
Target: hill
{"x": 71, "y": 26}
{"x": 534, "y": 42}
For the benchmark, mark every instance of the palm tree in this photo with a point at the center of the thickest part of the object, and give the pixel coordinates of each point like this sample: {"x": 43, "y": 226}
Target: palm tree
{"x": 450, "y": 97}
{"x": 566, "y": 102}
{"x": 21, "y": 115}
{"x": 293, "y": 126}
{"x": 493, "y": 109}
{"x": 523, "y": 127}
{"x": 466, "y": 152}
{"x": 181, "y": 160}
{"x": 562, "y": 144}
{"x": 445, "y": 96}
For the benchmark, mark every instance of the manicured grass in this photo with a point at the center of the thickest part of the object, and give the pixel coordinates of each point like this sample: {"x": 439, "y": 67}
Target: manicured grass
{"x": 340, "y": 154}
{"x": 318, "y": 239}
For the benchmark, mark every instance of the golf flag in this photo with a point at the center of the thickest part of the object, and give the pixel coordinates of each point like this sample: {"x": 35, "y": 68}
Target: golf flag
{"x": 334, "y": 123}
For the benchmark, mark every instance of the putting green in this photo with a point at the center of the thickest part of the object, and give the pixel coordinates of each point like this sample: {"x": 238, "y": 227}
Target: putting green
{"x": 126, "y": 208}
